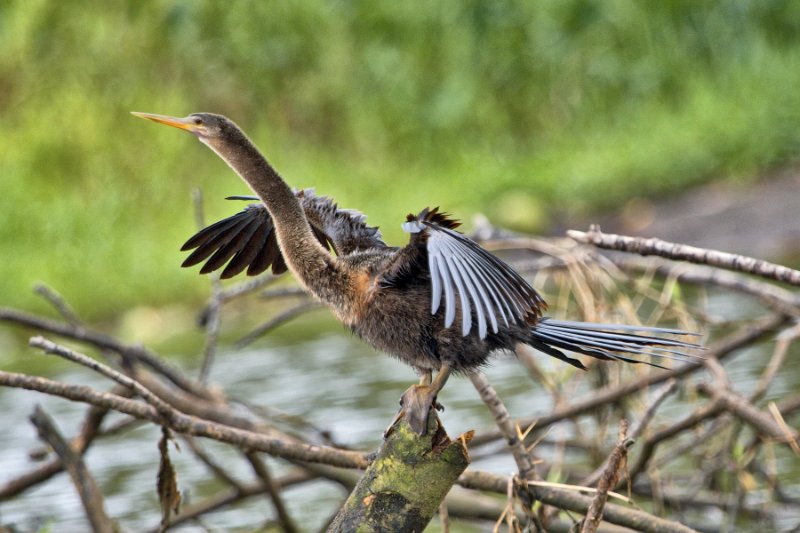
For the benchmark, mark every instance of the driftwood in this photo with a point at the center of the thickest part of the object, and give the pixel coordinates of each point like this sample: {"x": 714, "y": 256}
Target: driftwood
{"x": 721, "y": 420}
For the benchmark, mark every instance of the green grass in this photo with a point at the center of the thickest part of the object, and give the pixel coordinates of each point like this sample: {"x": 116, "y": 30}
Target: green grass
{"x": 515, "y": 109}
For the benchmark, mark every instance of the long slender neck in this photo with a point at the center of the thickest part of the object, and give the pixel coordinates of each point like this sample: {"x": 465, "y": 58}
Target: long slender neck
{"x": 304, "y": 255}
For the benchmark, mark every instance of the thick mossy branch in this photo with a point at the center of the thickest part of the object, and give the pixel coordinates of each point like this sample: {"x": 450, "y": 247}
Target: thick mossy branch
{"x": 405, "y": 484}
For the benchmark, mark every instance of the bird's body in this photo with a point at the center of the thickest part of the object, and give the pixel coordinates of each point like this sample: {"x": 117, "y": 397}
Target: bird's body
{"x": 441, "y": 303}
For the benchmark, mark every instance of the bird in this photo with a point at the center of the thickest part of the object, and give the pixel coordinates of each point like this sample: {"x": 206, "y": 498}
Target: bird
{"x": 441, "y": 303}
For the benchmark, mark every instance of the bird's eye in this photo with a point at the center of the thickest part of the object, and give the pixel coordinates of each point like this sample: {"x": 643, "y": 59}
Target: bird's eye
{"x": 197, "y": 121}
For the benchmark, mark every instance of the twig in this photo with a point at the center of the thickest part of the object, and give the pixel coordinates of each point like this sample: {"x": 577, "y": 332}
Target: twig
{"x": 212, "y": 326}
{"x": 743, "y": 409}
{"x": 227, "y": 497}
{"x": 101, "y": 340}
{"x": 212, "y": 315}
{"x": 217, "y": 469}
{"x": 576, "y": 502}
{"x": 53, "y": 348}
{"x": 638, "y": 427}
{"x": 502, "y": 418}
{"x": 790, "y": 435}
{"x": 613, "y": 393}
{"x": 58, "y": 302}
{"x": 782, "y": 343}
{"x": 239, "y": 290}
{"x": 608, "y": 480}
{"x": 649, "y": 446}
{"x": 678, "y": 500}
{"x": 771, "y": 296}
{"x": 279, "y": 319}
{"x": 273, "y": 490}
{"x": 79, "y": 444}
{"x": 514, "y": 438}
{"x": 444, "y": 517}
{"x": 182, "y": 423}
{"x": 284, "y": 292}
{"x": 685, "y": 252}
{"x": 90, "y": 494}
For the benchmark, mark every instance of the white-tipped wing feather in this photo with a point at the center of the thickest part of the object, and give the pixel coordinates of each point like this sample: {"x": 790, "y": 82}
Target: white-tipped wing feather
{"x": 485, "y": 290}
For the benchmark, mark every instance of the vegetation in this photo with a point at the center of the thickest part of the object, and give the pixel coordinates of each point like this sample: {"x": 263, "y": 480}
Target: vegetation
{"x": 517, "y": 109}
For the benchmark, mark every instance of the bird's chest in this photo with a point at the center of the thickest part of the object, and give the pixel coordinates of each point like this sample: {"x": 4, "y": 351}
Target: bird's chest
{"x": 399, "y": 325}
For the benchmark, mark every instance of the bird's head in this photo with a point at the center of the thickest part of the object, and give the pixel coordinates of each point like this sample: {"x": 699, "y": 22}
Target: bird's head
{"x": 208, "y": 127}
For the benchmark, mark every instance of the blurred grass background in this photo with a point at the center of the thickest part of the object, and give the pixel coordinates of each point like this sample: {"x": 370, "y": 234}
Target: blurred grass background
{"x": 517, "y": 109}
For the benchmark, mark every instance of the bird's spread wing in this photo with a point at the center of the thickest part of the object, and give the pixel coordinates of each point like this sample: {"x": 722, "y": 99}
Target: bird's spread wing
{"x": 247, "y": 239}
{"x": 483, "y": 287}
{"x": 345, "y": 229}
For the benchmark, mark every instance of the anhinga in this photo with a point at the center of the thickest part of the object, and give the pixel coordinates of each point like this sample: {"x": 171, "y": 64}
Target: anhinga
{"x": 440, "y": 303}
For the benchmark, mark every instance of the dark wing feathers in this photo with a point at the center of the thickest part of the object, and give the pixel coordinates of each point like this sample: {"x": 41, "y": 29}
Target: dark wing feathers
{"x": 247, "y": 252}
{"x": 217, "y": 236}
{"x": 472, "y": 280}
{"x": 345, "y": 229}
{"x": 247, "y": 239}
{"x": 236, "y": 244}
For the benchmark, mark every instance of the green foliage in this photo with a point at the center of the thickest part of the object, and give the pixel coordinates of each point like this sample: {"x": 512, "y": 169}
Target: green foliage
{"x": 388, "y": 106}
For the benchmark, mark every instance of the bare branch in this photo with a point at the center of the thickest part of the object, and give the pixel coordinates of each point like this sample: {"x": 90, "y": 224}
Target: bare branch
{"x": 53, "y": 348}
{"x": 502, "y": 418}
{"x": 101, "y": 340}
{"x": 610, "y": 394}
{"x": 273, "y": 490}
{"x": 608, "y": 479}
{"x": 79, "y": 445}
{"x": 685, "y": 252}
{"x": 658, "y": 398}
{"x": 514, "y": 438}
{"x": 576, "y": 502}
{"x": 278, "y": 320}
{"x": 58, "y": 302}
{"x": 90, "y": 494}
{"x": 743, "y": 409}
{"x": 182, "y": 423}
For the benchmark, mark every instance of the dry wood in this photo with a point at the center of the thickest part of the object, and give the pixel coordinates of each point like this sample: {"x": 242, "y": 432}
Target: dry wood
{"x": 87, "y": 488}
{"x": 406, "y": 483}
{"x": 684, "y": 252}
{"x": 182, "y": 423}
{"x": 608, "y": 479}
{"x": 192, "y": 408}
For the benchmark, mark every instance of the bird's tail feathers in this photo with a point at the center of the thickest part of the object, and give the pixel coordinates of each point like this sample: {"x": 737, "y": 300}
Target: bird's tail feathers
{"x": 608, "y": 341}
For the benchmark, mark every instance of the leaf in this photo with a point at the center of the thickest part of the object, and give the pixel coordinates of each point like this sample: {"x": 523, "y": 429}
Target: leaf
{"x": 168, "y": 494}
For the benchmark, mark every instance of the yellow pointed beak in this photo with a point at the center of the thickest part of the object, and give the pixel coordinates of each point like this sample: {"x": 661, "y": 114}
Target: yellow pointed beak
{"x": 180, "y": 123}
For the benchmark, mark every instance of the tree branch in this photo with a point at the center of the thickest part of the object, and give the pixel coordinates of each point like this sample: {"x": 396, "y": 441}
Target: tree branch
{"x": 90, "y": 494}
{"x": 684, "y": 252}
{"x": 182, "y": 423}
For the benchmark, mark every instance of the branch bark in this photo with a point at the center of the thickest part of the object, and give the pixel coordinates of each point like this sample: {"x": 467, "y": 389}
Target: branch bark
{"x": 406, "y": 483}
{"x": 608, "y": 480}
{"x": 87, "y": 488}
{"x": 684, "y": 252}
{"x": 183, "y": 423}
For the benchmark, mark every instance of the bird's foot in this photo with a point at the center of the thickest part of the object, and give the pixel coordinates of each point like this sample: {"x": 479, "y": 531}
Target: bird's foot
{"x": 416, "y": 403}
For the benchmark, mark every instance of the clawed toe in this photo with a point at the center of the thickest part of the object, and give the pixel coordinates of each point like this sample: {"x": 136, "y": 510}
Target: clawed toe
{"x": 417, "y": 402}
